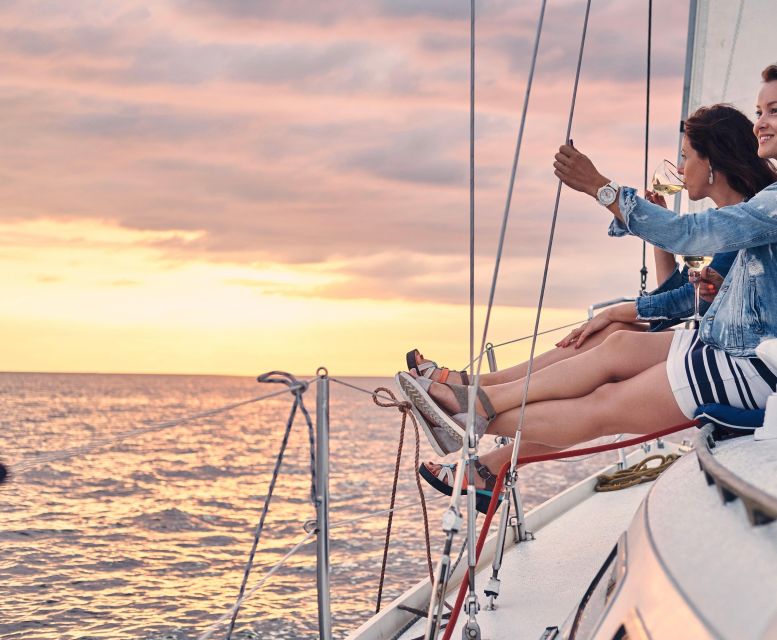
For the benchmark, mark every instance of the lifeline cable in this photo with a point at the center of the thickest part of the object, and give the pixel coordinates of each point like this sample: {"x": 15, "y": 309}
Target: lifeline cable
{"x": 456, "y": 493}
{"x": 644, "y": 271}
{"x": 552, "y": 230}
{"x": 297, "y": 389}
{"x": 99, "y": 443}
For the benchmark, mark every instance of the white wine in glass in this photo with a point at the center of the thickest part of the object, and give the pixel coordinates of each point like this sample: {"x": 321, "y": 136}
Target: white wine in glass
{"x": 666, "y": 179}
{"x": 695, "y": 264}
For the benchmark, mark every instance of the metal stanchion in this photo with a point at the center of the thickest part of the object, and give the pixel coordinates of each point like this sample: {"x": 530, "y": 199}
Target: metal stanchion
{"x": 491, "y": 356}
{"x": 322, "y": 504}
{"x": 511, "y": 499}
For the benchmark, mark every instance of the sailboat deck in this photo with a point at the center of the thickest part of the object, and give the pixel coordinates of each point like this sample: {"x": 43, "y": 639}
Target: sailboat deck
{"x": 543, "y": 579}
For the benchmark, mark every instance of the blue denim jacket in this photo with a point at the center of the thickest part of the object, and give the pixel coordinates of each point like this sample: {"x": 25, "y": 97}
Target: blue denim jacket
{"x": 744, "y": 313}
{"x": 673, "y": 300}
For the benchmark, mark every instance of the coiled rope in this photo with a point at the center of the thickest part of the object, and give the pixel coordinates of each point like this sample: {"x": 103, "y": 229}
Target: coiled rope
{"x": 404, "y": 409}
{"x": 297, "y": 389}
{"x": 635, "y": 474}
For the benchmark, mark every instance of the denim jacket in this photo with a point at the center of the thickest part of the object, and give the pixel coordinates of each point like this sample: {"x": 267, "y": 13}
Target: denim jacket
{"x": 673, "y": 300}
{"x": 744, "y": 312}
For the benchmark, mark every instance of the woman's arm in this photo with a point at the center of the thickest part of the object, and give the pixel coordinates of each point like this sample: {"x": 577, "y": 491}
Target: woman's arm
{"x": 626, "y": 312}
{"x": 665, "y": 264}
{"x": 748, "y": 224}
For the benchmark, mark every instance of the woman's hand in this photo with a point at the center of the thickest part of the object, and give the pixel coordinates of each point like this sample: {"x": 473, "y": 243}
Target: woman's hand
{"x": 580, "y": 334}
{"x": 655, "y": 198}
{"x": 577, "y": 172}
{"x": 709, "y": 284}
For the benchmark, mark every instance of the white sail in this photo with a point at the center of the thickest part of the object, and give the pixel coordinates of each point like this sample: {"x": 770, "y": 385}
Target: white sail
{"x": 730, "y": 43}
{"x": 733, "y": 41}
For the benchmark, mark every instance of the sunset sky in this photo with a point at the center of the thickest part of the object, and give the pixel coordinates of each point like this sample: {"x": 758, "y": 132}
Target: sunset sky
{"x": 234, "y": 186}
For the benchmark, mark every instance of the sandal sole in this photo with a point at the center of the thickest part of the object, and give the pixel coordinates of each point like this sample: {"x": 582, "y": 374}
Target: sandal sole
{"x": 482, "y": 496}
{"x": 426, "y": 409}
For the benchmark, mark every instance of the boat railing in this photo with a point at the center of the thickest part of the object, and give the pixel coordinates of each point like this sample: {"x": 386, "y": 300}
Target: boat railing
{"x": 760, "y": 506}
{"x": 607, "y": 303}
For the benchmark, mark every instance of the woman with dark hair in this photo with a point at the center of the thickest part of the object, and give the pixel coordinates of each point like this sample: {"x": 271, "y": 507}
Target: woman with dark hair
{"x": 717, "y": 137}
{"x": 635, "y": 382}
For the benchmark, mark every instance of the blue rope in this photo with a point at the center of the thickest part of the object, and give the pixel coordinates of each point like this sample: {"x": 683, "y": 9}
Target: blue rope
{"x": 297, "y": 389}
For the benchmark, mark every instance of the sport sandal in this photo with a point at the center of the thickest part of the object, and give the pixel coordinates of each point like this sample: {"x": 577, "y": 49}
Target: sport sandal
{"x": 445, "y": 432}
{"x": 443, "y": 482}
{"x": 426, "y": 369}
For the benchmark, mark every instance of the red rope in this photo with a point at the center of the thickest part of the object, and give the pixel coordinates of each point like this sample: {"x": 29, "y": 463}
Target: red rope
{"x": 608, "y": 447}
{"x": 464, "y": 586}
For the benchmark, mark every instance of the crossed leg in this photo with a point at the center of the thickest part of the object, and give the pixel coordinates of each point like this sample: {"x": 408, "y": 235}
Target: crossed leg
{"x": 640, "y": 404}
{"x": 623, "y": 355}
{"x": 545, "y": 359}
{"x": 620, "y": 386}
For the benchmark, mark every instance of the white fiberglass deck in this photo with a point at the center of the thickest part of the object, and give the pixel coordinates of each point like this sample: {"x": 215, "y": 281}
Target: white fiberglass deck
{"x": 542, "y": 580}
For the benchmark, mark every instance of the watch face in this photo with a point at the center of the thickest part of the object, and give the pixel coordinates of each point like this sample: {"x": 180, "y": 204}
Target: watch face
{"x": 607, "y": 195}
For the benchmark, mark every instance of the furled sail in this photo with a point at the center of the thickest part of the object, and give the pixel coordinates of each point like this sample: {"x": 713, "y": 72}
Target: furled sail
{"x": 733, "y": 41}
{"x": 729, "y": 43}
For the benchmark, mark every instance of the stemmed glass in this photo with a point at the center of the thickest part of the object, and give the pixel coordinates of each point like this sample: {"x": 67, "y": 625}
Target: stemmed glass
{"x": 666, "y": 179}
{"x": 695, "y": 264}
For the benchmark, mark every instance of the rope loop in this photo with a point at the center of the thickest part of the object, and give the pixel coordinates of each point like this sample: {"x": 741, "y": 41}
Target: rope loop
{"x": 403, "y": 405}
{"x": 296, "y": 387}
{"x": 404, "y": 409}
{"x": 636, "y": 474}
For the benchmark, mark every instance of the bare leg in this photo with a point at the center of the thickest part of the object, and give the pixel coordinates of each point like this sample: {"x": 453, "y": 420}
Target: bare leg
{"x": 557, "y": 355}
{"x": 640, "y": 404}
{"x": 544, "y": 359}
{"x": 622, "y": 355}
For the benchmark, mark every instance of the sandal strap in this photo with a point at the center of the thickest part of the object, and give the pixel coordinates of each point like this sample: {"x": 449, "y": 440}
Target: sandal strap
{"x": 426, "y": 368}
{"x": 461, "y": 394}
{"x": 462, "y": 397}
{"x": 464, "y": 378}
{"x": 485, "y": 473}
{"x": 447, "y": 474}
{"x": 487, "y": 406}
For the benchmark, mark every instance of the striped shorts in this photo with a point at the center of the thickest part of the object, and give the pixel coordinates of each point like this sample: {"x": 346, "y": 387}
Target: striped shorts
{"x": 700, "y": 374}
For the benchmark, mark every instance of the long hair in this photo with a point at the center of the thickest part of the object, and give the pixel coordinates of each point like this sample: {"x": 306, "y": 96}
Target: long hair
{"x": 724, "y": 136}
{"x": 770, "y": 73}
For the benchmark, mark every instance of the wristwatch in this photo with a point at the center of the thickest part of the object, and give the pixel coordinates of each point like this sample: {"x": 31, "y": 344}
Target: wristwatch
{"x": 606, "y": 195}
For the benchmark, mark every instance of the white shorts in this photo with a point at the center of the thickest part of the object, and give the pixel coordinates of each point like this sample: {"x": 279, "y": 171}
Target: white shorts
{"x": 700, "y": 374}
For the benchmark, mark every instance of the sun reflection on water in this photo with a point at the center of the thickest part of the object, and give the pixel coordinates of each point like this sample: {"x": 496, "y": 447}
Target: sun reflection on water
{"x": 149, "y": 539}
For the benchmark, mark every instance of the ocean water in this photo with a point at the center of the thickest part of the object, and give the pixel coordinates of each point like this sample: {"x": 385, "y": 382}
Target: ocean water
{"x": 149, "y": 539}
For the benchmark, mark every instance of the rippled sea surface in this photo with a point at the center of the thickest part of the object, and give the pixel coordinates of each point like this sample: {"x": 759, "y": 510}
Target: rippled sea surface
{"x": 149, "y": 539}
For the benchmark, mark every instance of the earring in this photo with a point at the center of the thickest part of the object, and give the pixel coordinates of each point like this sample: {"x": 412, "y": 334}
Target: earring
{"x": 711, "y": 179}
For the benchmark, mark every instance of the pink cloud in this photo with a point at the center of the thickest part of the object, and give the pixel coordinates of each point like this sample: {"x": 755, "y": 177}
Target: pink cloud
{"x": 305, "y": 132}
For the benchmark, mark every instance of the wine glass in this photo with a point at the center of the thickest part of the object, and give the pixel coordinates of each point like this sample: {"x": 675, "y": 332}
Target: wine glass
{"x": 695, "y": 264}
{"x": 666, "y": 179}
